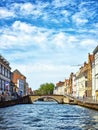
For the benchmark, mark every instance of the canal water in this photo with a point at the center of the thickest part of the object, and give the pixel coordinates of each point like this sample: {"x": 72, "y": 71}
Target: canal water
{"x": 48, "y": 116}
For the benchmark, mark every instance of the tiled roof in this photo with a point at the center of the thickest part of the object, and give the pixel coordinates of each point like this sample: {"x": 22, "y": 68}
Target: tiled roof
{"x": 17, "y": 71}
{"x": 60, "y": 84}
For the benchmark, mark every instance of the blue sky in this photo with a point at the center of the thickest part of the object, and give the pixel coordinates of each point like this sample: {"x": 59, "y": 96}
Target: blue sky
{"x": 44, "y": 39}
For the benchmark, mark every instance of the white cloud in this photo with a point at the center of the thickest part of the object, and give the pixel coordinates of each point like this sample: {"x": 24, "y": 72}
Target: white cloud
{"x": 61, "y": 3}
{"x": 5, "y": 13}
{"x": 86, "y": 13}
{"x": 65, "y": 12}
{"x": 79, "y": 18}
{"x": 96, "y": 25}
{"x": 22, "y": 26}
{"x": 23, "y": 34}
{"x": 59, "y": 39}
{"x": 72, "y": 39}
{"x": 30, "y": 9}
{"x": 7, "y": 41}
{"x": 27, "y": 7}
{"x": 38, "y": 10}
{"x": 89, "y": 42}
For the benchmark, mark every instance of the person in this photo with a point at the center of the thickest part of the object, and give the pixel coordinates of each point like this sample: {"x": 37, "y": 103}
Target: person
{"x": 2, "y": 97}
{"x": 0, "y": 94}
{"x": 21, "y": 94}
{"x": 84, "y": 96}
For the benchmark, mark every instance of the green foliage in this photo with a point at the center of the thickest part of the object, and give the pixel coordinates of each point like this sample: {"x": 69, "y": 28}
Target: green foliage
{"x": 46, "y": 89}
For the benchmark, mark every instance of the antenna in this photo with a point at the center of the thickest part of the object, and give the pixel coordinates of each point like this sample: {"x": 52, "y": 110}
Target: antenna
{"x": 77, "y": 65}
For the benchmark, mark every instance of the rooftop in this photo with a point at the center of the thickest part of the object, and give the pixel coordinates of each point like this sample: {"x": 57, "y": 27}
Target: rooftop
{"x": 95, "y": 50}
{"x": 60, "y": 84}
{"x": 4, "y": 60}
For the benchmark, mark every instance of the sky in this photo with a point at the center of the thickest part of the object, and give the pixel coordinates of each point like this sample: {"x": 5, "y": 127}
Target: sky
{"x": 47, "y": 39}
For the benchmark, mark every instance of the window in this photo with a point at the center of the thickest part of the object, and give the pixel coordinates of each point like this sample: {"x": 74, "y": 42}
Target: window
{"x": 0, "y": 68}
{"x": 7, "y": 85}
{"x": 3, "y": 85}
{"x": 0, "y": 84}
{"x": 85, "y": 83}
{"x": 9, "y": 74}
{"x": 3, "y": 70}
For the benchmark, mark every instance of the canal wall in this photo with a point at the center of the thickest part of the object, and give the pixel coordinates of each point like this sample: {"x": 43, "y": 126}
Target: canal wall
{"x": 28, "y": 100}
{"x": 22, "y": 100}
{"x": 87, "y": 104}
{"x": 83, "y": 103}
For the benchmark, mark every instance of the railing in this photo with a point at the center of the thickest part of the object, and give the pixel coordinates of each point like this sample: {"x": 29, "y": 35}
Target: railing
{"x": 86, "y": 99}
{"x": 90, "y": 99}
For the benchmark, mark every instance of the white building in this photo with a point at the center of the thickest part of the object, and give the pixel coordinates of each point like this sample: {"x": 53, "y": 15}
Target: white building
{"x": 21, "y": 86}
{"x": 74, "y": 89}
{"x": 59, "y": 88}
{"x": 81, "y": 81}
{"x": 95, "y": 75}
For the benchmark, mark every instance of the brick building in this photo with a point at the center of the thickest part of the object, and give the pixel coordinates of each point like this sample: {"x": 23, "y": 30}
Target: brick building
{"x": 20, "y": 82}
{"x": 81, "y": 81}
{"x": 89, "y": 75}
{"x": 67, "y": 88}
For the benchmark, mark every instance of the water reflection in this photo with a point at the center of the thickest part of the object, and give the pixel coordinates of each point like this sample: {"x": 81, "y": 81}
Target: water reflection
{"x": 45, "y": 103}
{"x": 48, "y": 116}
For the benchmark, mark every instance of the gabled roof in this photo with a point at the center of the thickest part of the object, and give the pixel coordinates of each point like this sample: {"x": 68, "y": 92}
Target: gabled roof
{"x": 66, "y": 80}
{"x": 17, "y": 71}
{"x": 83, "y": 69}
{"x": 60, "y": 84}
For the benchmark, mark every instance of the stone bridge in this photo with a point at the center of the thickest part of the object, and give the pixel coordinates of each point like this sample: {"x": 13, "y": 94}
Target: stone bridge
{"x": 29, "y": 99}
{"x": 58, "y": 98}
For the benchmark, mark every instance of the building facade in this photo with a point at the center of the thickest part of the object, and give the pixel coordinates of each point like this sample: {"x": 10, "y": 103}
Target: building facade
{"x": 95, "y": 74}
{"x": 81, "y": 81}
{"x": 71, "y": 83}
{"x": 66, "y": 86}
{"x": 5, "y": 75}
{"x": 20, "y": 82}
{"x": 59, "y": 89}
{"x": 74, "y": 90}
{"x": 89, "y": 75}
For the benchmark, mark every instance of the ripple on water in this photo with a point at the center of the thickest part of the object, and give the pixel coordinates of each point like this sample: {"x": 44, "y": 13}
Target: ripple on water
{"x": 48, "y": 117}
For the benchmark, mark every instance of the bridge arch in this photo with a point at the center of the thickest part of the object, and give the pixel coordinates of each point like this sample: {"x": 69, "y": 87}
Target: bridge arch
{"x": 43, "y": 97}
{"x": 57, "y": 98}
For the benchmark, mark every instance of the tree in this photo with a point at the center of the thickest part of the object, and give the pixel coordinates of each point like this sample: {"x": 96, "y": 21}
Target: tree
{"x": 46, "y": 89}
